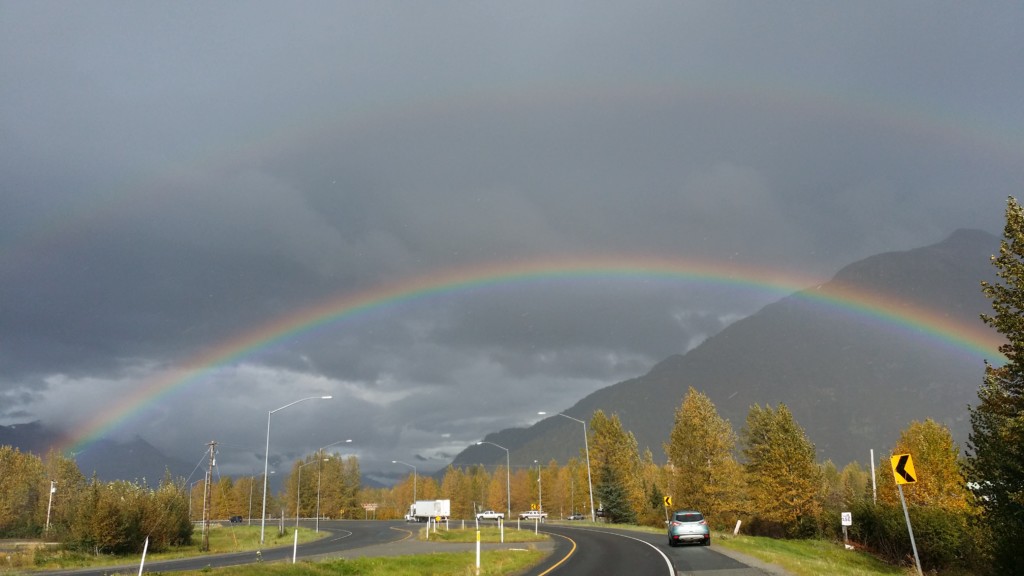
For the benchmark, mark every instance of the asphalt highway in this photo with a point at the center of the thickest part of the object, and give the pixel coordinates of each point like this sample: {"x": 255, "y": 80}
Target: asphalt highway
{"x": 598, "y": 551}
{"x": 343, "y": 535}
{"x": 594, "y": 551}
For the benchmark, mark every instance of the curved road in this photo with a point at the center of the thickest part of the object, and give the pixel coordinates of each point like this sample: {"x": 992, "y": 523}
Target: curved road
{"x": 593, "y": 550}
{"x": 610, "y": 552}
{"x": 343, "y": 535}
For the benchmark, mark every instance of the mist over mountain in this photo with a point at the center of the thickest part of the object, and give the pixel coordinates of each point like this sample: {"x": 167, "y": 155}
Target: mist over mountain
{"x": 852, "y": 381}
{"x": 32, "y": 437}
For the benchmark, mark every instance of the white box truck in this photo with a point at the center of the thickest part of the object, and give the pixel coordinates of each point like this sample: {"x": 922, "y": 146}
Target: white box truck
{"x": 423, "y": 510}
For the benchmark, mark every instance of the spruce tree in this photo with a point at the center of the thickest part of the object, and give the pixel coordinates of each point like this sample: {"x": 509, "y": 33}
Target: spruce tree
{"x": 612, "y": 493}
{"x": 996, "y": 461}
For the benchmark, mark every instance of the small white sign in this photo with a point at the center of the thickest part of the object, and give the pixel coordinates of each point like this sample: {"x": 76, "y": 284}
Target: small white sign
{"x": 847, "y": 518}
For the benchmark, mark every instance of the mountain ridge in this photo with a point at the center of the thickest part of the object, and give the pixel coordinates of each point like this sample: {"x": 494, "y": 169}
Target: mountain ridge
{"x": 852, "y": 384}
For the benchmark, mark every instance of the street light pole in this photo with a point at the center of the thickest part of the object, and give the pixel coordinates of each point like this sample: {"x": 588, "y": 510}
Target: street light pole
{"x": 540, "y": 494}
{"x": 252, "y": 482}
{"x": 320, "y": 453}
{"x": 266, "y": 460}
{"x": 508, "y": 481}
{"x": 413, "y": 477}
{"x": 586, "y": 447}
{"x": 298, "y": 489}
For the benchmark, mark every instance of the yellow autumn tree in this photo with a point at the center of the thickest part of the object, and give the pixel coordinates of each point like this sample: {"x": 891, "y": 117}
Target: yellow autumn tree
{"x": 703, "y": 474}
{"x": 783, "y": 480}
{"x": 940, "y": 478}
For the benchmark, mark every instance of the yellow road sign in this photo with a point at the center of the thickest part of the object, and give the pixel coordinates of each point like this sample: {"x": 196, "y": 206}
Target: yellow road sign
{"x": 668, "y": 501}
{"x": 903, "y": 469}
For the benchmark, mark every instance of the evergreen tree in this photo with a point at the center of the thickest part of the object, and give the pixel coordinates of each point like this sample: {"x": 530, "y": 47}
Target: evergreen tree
{"x": 614, "y": 449}
{"x": 784, "y": 481}
{"x": 611, "y": 490}
{"x": 996, "y": 462}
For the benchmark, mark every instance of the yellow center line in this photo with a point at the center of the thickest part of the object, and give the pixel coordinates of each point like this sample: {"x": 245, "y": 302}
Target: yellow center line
{"x": 408, "y": 533}
{"x": 566, "y": 557}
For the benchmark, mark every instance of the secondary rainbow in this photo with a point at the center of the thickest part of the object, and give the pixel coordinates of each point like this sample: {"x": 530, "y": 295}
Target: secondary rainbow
{"x": 917, "y": 322}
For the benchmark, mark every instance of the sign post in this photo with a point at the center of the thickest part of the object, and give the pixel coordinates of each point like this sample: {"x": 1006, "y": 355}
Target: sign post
{"x": 668, "y": 504}
{"x": 847, "y": 520}
{"x": 903, "y": 471}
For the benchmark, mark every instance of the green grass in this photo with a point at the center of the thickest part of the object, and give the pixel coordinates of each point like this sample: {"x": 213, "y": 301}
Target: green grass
{"x": 223, "y": 539}
{"x": 492, "y": 563}
{"x": 809, "y": 557}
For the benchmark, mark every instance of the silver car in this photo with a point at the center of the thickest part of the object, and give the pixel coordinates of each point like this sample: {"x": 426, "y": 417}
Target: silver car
{"x": 688, "y": 526}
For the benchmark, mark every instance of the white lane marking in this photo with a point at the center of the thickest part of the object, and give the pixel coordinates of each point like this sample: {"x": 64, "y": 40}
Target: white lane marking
{"x": 668, "y": 562}
{"x": 341, "y": 537}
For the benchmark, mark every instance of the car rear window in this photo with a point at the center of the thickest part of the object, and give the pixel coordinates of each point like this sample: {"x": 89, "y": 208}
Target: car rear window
{"x": 689, "y": 517}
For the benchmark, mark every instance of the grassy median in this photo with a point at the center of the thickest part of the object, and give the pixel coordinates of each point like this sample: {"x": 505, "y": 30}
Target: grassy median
{"x": 492, "y": 563}
{"x": 223, "y": 539}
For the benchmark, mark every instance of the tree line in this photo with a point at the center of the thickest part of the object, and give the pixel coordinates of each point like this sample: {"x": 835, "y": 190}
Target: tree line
{"x": 51, "y": 498}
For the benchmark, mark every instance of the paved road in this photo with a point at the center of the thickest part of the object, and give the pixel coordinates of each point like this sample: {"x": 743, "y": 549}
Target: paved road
{"x": 343, "y": 535}
{"x": 596, "y": 551}
{"x": 610, "y": 552}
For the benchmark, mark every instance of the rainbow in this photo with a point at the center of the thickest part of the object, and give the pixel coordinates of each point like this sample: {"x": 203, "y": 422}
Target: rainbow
{"x": 931, "y": 326}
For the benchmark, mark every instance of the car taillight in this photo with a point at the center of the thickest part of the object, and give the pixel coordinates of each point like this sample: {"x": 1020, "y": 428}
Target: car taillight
{"x": 674, "y": 523}
{"x": 703, "y": 522}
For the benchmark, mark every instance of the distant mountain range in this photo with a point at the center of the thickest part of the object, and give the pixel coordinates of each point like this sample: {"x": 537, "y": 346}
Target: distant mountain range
{"x": 136, "y": 459}
{"x": 851, "y": 380}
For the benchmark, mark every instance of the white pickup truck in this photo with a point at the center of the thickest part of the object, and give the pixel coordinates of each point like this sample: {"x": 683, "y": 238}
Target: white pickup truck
{"x": 533, "y": 515}
{"x": 490, "y": 515}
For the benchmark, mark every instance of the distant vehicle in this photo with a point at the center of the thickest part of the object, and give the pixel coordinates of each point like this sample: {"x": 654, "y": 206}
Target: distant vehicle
{"x": 533, "y": 515}
{"x": 490, "y": 515}
{"x": 236, "y": 519}
{"x": 688, "y": 526}
{"x": 576, "y": 517}
{"x": 425, "y": 510}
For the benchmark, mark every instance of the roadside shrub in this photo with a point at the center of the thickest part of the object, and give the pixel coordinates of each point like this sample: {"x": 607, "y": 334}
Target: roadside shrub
{"x": 945, "y": 539}
{"x": 767, "y": 528}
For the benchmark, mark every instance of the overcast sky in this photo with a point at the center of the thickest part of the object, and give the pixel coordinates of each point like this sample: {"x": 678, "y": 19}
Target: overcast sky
{"x": 174, "y": 175}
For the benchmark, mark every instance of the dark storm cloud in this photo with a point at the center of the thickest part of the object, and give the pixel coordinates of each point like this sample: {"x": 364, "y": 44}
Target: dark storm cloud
{"x": 175, "y": 175}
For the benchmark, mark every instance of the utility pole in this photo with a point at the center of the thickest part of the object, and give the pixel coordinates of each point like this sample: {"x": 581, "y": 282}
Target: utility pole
{"x": 207, "y": 496}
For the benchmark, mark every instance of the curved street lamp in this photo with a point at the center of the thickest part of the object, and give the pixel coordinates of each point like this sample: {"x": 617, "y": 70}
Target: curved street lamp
{"x": 413, "y": 477}
{"x": 266, "y": 459}
{"x": 508, "y": 482}
{"x": 586, "y": 447}
{"x": 320, "y": 453}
